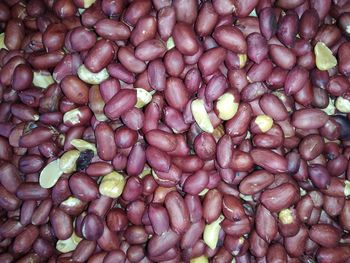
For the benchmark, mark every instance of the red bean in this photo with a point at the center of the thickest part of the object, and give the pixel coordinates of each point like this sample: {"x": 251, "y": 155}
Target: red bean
{"x": 266, "y": 225}
{"x": 257, "y": 48}
{"x": 8, "y": 69}
{"x": 258, "y": 246}
{"x": 11, "y": 228}
{"x": 53, "y": 37}
{"x": 64, "y": 9}
{"x": 158, "y": 159}
{"x": 196, "y": 183}
{"x": 337, "y": 254}
{"x": 276, "y": 252}
{"x": 5, "y": 14}
{"x": 8, "y": 201}
{"x": 188, "y": 163}
{"x": 243, "y": 117}
{"x": 22, "y": 77}
{"x": 193, "y": 204}
{"x": 43, "y": 248}
{"x": 174, "y": 119}
{"x": 75, "y": 89}
{"x": 46, "y": 60}
{"x": 343, "y": 54}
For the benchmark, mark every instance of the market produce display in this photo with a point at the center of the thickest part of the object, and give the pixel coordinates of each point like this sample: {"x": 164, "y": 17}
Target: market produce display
{"x": 175, "y": 131}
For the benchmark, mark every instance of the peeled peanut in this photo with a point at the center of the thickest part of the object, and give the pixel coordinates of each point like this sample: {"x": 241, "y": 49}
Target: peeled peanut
{"x": 68, "y": 161}
{"x": 143, "y": 97}
{"x": 50, "y": 174}
{"x": 68, "y": 245}
{"x": 92, "y": 78}
{"x": 201, "y": 116}
{"x": 226, "y": 106}
{"x": 211, "y": 232}
{"x": 42, "y": 79}
{"x": 83, "y": 145}
{"x": 324, "y": 57}
{"x": 112, "y": 185}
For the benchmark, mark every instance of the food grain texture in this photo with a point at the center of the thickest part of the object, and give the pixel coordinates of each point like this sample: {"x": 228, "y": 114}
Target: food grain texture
{"x": 174, "y": 131}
